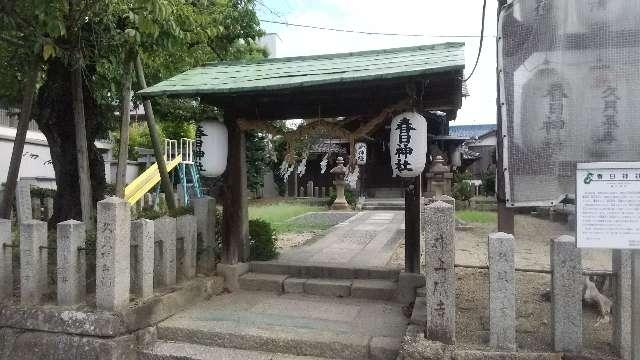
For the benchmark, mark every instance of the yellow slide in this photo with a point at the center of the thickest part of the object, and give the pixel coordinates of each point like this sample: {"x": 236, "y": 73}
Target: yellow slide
{"x": 146, "y": 181}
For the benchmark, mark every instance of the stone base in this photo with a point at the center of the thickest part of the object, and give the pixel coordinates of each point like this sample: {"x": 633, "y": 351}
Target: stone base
{"x": 231, "y": 274}
{"x": 407, "y": 285}
{"x": 342, "y": 205}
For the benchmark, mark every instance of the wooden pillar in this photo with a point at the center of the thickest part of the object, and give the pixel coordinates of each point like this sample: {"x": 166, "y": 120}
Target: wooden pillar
{"x": 235, "y": 243}
{"x": 505, "y": 214}
{"x": 412, "y": 201}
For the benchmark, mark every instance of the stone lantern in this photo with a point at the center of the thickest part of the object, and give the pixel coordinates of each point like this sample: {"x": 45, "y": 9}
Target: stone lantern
{"x": 439, "y": 178}
{"x": 339, "y": 172}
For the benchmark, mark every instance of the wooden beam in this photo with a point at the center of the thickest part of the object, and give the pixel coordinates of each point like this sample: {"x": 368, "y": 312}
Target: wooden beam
{"x": 235, "y": 243}
{"x": 165, "y": 182}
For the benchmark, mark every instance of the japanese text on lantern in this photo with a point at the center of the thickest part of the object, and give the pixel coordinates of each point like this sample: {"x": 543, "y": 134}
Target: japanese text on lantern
{"x": 198, "y": 152}
{"x": 403, "y": 149}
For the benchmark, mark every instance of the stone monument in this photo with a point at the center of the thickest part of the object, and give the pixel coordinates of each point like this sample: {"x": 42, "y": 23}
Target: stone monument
{"x": 439, "y": 178}
{"x": 339, "y": 172}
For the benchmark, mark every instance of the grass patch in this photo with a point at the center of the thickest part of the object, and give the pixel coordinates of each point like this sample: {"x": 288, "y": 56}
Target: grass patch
{"x": 473, "y": 216}
{"x": 278, "y": 213}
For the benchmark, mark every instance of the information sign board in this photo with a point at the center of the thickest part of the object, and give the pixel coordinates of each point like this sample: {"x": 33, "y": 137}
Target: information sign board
{"x": 608, "y": 205}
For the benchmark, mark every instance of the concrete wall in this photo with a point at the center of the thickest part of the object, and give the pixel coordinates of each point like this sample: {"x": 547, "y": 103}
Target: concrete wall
{"x": 36, "y": 158}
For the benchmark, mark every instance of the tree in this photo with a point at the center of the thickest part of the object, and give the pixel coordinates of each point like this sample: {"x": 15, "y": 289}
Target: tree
{"x": 170, "y": 36}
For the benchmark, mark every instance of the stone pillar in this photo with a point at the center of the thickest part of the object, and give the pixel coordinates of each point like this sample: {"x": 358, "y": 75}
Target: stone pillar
{"x": 72, "y": 265}
{"x": 33, "y": 261}
{"x": 502, "y": 292}
{"x": 6, "y": 260}
{"x": 566, "y": 294}
{"x": 621, "y": 338}
{"x": 440, "y": 272}
{"x": 186, "y": 228}
{"x": 48, "y": 205}
{"x": 113, "y": 250}
{"x": 316, "y": 192}
{"x": 162, "y": 201}
{"x": 310, "y": 188}
{"x": 301, "y": 192}
{"x": 23, "y": 201}
{"x": 36, "y": 208}
{"x": 323, "y": 192}
{"x": 164, "y": 230}
{"x": 148, "y": 200}
{"x": 142, "y": 238}
{"x": 204, "y": 209}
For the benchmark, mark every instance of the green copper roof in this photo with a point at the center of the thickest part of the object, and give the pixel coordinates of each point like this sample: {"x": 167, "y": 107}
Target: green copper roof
{"x": 232, "y": 78}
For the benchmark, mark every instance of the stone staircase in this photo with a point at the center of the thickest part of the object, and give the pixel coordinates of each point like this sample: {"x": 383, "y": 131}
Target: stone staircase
{"x": 292, "y": 312}
{"x": 388, "y": 204}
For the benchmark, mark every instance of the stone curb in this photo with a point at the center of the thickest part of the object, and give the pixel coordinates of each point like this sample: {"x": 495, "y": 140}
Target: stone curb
{"x": 108, "y": 324}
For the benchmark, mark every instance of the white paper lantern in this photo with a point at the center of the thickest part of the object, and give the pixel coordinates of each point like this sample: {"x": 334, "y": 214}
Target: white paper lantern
{"x": 361, "y": 153}
{"x": 408, "y": 144}
{"x": 215, "y": 148}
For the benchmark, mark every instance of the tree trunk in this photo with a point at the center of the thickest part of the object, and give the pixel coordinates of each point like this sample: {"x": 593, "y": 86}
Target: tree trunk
{"x": 86, "y": 200}
{"x": 28, "y": 94}
{"x": 166, "y": 184}
{"x": 55, "y": 118}
{"x": 125, "y": 105}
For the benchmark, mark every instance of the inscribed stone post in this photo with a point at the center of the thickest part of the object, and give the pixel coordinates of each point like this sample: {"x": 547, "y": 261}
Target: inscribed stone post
{"x": 162, "y": 201}
{"x": 71, "y": 264}
{"x": 148, "y": 200}
{"x": 23, "y": 201}
{"x": 566, "y": 294}
{"x": 113, "y": 235}
{"x": 142, "y": 238}
{"x": 316, "y": 192}
{"x": 36, "y": 208}
{"x": 309, "y": 188}
{"x": 440, "y": 273}
{"x": 621, "y": 337}
{"x": 204, "y": 209}
{"x": 186, "y": 229}
{"x": 164, "y": 230}
{"x": 502, "y": 292}
{"x": 6, "y": 260}
{"x": 33, "y": 261}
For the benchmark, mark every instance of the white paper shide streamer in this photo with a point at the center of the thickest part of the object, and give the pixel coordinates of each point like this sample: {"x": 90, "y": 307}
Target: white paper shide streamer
{"x": 361, "y": 153}
{"x": 408, "y": 144}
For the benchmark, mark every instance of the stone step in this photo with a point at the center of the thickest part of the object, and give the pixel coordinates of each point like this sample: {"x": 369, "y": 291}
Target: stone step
{"x": 169, "y": 350}
{"x": 310, "y": 271}
{"x": 382, "y": 207}
{"x": 276, "y": 341}
{"x": 374, "y": 289}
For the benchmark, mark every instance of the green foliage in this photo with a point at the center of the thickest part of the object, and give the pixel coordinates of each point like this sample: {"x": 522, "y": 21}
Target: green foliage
{"x": 152, "y": 214}
{"x": 472, "y": 216}
{"x": 257, "y": 159}
{"x": 488, "y": 187}
{"x": 349, "y": 195}
{"x": 263, "y": 240}
{"x": 462, "y": 189}
{"x": 38, "y": 192}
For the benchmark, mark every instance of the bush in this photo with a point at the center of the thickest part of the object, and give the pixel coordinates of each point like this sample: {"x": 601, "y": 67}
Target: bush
{"x": 263, "y": 240}
{"x": 488, "y": 183}
{"x": 349, "y": 195}
{"x": 463, "y": 190}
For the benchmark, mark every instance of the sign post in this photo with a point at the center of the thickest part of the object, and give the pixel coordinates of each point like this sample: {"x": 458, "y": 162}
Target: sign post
{"x": 608, "y": 216}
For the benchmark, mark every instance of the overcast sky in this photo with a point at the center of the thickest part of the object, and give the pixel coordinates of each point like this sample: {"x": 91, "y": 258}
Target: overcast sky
{"x": 426, "y": 17}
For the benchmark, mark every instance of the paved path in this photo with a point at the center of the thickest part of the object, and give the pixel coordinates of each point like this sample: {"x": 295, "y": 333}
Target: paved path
{"x": 366, "y": 240}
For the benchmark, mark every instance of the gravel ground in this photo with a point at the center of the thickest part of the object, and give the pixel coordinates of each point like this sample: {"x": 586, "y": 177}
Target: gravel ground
{"x": 533, "y": 235}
